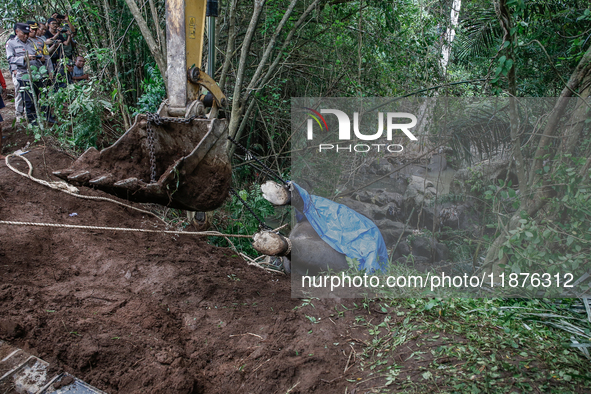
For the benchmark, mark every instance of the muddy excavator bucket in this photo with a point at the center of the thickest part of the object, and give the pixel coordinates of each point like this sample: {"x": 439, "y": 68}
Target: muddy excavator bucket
{"x": 192, "y": 168}
{"x": 174, "y": 158}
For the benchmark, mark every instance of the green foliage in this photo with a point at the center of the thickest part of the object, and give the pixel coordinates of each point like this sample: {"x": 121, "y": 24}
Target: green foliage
{"x": 560, "y": 27}
{"x": 476, "y": 345}
{"x": 154, "y": 91}
{"x": 79, "y": 110}
{"x": 558, "y": 241}
{"x": 476, "y": 180}
{"x": 234, "y": 218}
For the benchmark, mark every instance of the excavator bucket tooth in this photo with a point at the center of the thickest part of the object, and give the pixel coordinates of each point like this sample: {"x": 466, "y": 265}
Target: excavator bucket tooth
{"x": 63, "y": 173}
{"x": 103, "y": 180}
{"x": 132, "y": 184}
{"x": 80, "y": 177}
{"x": 192, "y": 168}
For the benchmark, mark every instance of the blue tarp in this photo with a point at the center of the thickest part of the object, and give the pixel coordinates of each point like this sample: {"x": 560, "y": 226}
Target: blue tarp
{"x": 346, "y": 231}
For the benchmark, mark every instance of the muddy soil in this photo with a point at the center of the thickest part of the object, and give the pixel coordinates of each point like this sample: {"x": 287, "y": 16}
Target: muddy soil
{"x": 152, "y": 313}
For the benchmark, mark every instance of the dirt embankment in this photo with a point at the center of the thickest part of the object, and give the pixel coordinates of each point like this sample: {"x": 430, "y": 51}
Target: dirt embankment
{"x": 152, "y": 313}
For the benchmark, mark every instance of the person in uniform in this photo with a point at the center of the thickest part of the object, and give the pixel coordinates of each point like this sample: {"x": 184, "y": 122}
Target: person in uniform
{"x": 40, "y": 49}
{"x": 21, "y": 54}
{"x": 41, "y": 31}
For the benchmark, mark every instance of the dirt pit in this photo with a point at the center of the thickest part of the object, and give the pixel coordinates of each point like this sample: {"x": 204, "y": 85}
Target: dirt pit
{"x": 152, "y": 313}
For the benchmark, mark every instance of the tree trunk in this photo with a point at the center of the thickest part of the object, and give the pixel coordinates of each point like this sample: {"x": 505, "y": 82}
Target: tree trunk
{"x": 159, "y": 33}
{"x": 450, "y": 34}
{"x": 268, "y": 75}
{"x": 155, "y": 50}
{"x": 236, "y": 102}
{"x": 124, "y": 113}
{"x": 230, "y": 44}
{"x": 580, "y": 79}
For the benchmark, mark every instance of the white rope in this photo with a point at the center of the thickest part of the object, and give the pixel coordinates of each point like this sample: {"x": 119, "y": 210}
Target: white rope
{"x": 73, "y": 191}
{"x": 137, "y": 230}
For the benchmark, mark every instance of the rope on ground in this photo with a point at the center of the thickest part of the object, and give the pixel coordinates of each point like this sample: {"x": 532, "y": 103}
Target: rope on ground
{"x": 135, "y": 230}
{"x": 73, "y": 191}
{"x": 247, "y": 259}
{"x": 69, "y": 189}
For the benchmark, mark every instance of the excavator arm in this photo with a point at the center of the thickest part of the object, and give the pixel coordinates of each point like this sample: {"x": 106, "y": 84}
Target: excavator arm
{"x": 185, "y": 26}
{"x": 177, "y": 157}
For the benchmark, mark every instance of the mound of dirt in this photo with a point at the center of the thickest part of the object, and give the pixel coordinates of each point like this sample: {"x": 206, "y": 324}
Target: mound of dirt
{"x": 153, "y": 313}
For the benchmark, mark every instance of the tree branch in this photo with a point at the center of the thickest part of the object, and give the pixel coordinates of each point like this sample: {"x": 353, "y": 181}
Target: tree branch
{"x": 230, "y": 45}
{"x": 236, "y": 107}
{"x": 155, "y": 50}
{"x": 270, "y": 46}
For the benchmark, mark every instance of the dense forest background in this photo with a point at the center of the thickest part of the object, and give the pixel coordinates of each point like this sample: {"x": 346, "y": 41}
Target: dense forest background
{"x": 269, "y": 51}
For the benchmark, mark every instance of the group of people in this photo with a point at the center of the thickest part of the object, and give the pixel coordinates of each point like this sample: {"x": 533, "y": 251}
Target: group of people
{"x": 50, "y": 45}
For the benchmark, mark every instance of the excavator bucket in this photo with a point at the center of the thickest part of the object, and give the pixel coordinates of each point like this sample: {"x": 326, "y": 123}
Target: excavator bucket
{"x": 191, "y": 166}
{"x": 173, "y": 158}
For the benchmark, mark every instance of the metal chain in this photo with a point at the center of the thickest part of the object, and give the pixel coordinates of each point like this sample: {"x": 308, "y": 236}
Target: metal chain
{"x": 155, "y": 119}
{"x": 262, "y": 224}
{"x": 159, "y": 121}
{"x": 249, "y": 155}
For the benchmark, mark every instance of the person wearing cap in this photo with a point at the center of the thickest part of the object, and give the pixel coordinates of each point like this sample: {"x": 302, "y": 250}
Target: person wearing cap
{"x": 40, "y": 47}
{"x": 22, "y": 55}
{"x": 19, "y": 106}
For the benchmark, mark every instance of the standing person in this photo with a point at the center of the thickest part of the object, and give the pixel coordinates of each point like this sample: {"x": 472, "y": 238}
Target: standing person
{"x": 41, "y": 31}
{"x": 40, "y": 48}
{"x": 78, "y": 73}
{"x": 21, "y": 54}
{"x": 2, "y": 95}
{"x": 41, "y": 35}
{"x": 69, "y": 48}
{"x": 19, "y": 107}
{"x": 56, "y": 40}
